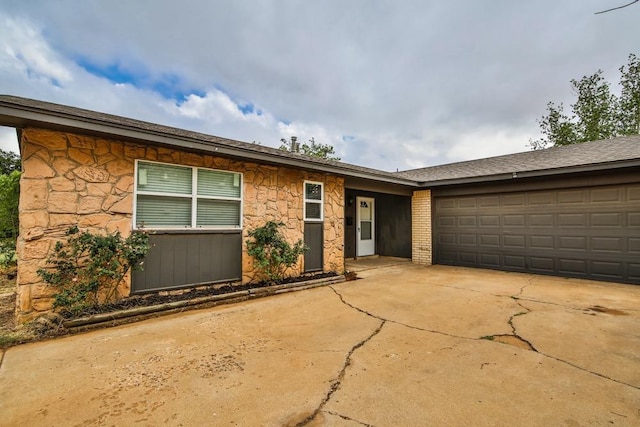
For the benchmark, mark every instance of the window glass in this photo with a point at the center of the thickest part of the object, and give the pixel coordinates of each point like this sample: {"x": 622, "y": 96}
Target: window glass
{"x": 365, "y": 230}
{"x": 218, "y": 184}
{"x": 154, "y": 211}
{"x": 313, "y": 191}
{"x": 153, "y": 177}
{"x": 313, "y": 201}
{"x": 218, "y": 213}
{"x": 166, "y": 197}
{"x": 313, "y": 210}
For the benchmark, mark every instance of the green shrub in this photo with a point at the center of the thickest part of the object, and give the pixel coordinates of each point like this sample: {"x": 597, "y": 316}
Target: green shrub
{"x": 8, "y": 256}
{"x": 272, "y": 254}
{"x": 88, "y": 268}
{"x": 9, "y": 196}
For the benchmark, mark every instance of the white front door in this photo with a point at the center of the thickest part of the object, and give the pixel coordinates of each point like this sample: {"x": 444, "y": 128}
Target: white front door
{"x": 365, "y": 217}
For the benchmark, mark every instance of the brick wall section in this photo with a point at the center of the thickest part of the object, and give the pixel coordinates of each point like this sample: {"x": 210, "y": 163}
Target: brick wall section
{"x": 80, "y": 180}
{"x": 421, "y": 227}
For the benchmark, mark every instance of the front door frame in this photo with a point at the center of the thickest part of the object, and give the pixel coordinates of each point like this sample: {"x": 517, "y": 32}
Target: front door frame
{"x": 368, "y": 246}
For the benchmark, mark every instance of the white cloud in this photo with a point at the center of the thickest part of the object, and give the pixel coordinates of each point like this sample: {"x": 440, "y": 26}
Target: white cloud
{"x": 8, "y": 139}
{"x": 23, "y": 50}
{"x": 392, "y": 85}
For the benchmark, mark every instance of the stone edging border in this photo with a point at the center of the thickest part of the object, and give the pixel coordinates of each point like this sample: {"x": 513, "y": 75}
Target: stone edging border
{"x": 139, "y": 313}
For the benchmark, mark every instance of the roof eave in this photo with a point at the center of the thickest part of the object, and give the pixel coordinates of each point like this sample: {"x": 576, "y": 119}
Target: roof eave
{"x": 533, "y": 174}
{"x": 23, "y": 116}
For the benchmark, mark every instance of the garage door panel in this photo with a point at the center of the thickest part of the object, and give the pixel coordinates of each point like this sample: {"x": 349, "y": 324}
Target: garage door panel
{"x": 542, "y": 264}
{"x": 634, "y": 272}
{"x": 447, "y": 221}
{"x": 609, "y": 219}
{"x": 541, "y": 220}
{"x": 515, "y": 261}
{"x": 468, "y": 257}
{"x": 488, "y": 201}
{"x": 572, "y": 197}
{"x": 467, "y": 221}
{"x": 541, "y": 242}
{"x": 607, "y": 269}
{"x": 512, "y": 220}
{"x": 515, "y": 241}
{"x": 607, "y": 244}
{"x": 448, "y": 257}
{"x": 572, "y": 266}
{"x": 490, "y": 240}
{"x": 447, "y": 238}
{"x": 572, "y": 242}
{"x": 444, "y": 204}
{"x": 591, "y": 232}
{"x": 468, "y": 202}
{"x": 606, "y": 195}
{"x": 572, "y": 220}
{"x": 467, "y": 239}
{"x": 489, "y": 221}
{"x": 490, "y": 260}
{"x": 513, "y": 200}
{"x": 546, "y": 198}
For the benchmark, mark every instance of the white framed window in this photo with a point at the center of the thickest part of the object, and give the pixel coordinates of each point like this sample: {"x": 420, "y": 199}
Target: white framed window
{"x": 313, "y": 201}
{"x": 171, "y": 196}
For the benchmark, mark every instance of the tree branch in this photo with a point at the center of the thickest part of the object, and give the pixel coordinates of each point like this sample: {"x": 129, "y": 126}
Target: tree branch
{"x": 616, "y": 8}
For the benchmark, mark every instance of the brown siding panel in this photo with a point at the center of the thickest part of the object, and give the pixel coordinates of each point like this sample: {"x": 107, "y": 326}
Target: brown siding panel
{"x": 178, "y": 260}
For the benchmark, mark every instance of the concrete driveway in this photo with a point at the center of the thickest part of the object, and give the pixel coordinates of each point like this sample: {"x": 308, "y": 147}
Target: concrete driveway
{"x": 405, "y": 346}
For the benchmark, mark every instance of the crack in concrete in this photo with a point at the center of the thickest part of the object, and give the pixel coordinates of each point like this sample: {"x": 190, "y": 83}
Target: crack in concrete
{"x": 344, "y": 417}
{"x": 335, "y": 384}
{"x": 589, "y": 371}
{"x": 375, "y": 316}
{"x": 516, "y": 298}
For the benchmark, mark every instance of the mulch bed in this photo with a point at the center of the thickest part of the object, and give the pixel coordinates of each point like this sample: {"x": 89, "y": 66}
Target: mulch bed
{"x": 162, "y": 297}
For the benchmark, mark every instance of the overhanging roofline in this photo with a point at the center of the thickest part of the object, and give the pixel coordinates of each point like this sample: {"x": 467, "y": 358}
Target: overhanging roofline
{"x": 20, "y": 116}
{"x": 533, "y": 174}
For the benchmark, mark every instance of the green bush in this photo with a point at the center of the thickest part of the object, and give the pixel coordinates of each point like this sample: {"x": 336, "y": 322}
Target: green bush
{"x": 8, "y": 256}
{"x": 272, "y": 254}
{"x": 9, "y": 197}
{"x": 88, "y": 268}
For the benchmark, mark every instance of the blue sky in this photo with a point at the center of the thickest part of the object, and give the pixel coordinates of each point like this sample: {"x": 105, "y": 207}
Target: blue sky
{"x": 391, "y": 85}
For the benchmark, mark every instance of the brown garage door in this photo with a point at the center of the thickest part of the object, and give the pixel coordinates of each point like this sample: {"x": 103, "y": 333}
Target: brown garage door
{"x": 581, "y": 232}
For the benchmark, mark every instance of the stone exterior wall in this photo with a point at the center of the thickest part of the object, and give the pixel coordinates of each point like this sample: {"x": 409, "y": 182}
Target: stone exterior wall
{"x": 72, "y": 179}
{"x": 421, "y": 227}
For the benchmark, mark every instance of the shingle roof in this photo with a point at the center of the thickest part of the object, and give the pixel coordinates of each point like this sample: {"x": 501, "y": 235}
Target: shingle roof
{"x": 623, "y": 151}
{"x": 19, "y": 112}
{"x": 558, "y": 159}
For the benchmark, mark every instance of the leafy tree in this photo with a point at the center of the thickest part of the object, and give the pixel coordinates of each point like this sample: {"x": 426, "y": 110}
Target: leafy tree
{"x": 9, "y": 196}
{"x": 9, "y": 162}
{"x": 597, "y": 113}
{"x": 313, "y": 148}
{"x": 629, "y": 101}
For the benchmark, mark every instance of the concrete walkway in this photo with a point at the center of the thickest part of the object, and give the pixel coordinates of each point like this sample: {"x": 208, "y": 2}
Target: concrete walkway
{"x": 404, "y": 346}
